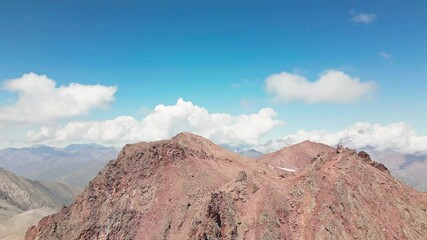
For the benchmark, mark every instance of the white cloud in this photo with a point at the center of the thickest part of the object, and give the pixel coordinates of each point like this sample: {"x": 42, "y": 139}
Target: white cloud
{"x": 395, "y": 136}
{"x": 164, "y": 122}
{"x": 40, "y": 100}
{"x": 384, "y": 55}
{"x": 333, "y": 86}
{"x": 364, "y": 18}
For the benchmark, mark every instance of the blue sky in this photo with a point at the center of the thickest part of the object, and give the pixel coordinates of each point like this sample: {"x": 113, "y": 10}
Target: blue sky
{"x": 219, "y": 54}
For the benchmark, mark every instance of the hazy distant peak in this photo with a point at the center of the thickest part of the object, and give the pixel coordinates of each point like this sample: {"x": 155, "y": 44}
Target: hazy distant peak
{"x": 75, "y": 164}
{"x": 82, "y": 146}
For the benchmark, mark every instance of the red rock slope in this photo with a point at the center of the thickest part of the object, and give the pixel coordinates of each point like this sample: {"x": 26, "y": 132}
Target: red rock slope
{"x": 295, "y": 157}
{"x": 189, "y": 188}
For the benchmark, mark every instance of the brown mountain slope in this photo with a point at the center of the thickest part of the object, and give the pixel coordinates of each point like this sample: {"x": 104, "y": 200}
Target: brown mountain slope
{"x": 189, "y": 188}
{"x": 295, "y": 157}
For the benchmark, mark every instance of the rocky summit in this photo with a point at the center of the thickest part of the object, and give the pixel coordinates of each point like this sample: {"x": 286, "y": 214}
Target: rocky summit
{"x": 189, "y": 188}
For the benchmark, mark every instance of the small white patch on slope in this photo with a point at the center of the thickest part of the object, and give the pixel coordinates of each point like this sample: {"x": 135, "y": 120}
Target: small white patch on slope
{"x": 287, "y": 169}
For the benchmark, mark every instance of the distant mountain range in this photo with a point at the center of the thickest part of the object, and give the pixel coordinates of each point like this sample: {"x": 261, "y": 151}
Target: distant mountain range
{"x": 244, "y": 151}
{"x": 24, "y": 202}
{"x": 74, "y": 165}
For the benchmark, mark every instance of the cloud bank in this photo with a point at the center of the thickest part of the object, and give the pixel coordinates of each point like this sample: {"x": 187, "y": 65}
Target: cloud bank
{"x": 395, "y": 136}
{"x": 162, "y": 123}
{"x": 39, "y": 99}
{"x": 333, "y": 86}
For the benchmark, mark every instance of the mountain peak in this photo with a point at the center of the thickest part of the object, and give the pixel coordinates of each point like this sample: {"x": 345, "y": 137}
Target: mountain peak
{"x": 192, "y": 139}
{"x": 187, "y": 135}
{"x": 296, "y": 156}
{"x": 82, "y": 146}
{"x": 310, "y": 144}
{"x": 189, "y": 188}
{"x": 185, "y": 144}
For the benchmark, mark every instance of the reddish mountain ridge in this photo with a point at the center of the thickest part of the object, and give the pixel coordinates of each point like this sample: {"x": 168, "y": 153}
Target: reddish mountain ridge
{"x": 190, "y": 188}
{"x": 295, "y": 157}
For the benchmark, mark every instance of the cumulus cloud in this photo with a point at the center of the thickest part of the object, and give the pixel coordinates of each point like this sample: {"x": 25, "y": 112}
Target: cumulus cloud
{"x": 364, "y": 18}
{"x": 333, "y": 86}
{"x": 39, "y": 99}
{"x": 395, "y": 136}
{"x": 164, "y": 122}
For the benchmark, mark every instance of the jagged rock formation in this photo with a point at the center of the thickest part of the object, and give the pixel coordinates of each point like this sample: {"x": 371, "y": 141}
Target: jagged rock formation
{"x": 189, "y": 188}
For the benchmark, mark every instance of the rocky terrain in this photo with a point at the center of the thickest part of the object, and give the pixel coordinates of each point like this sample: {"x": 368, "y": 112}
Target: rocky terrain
{"x": 190, "y": 188}
{"x": 24, "y": 202}
{"x": 409, "y": 168}
{"x": 73, "y": 165}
